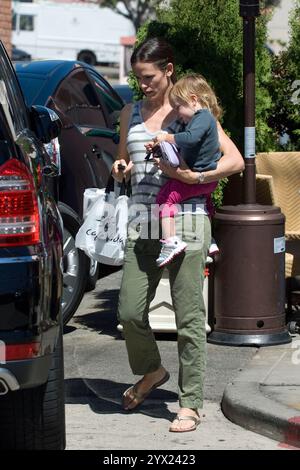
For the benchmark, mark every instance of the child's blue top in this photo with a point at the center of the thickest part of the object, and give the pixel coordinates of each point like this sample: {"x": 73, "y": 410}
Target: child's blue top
{"x": 199, "y": 143}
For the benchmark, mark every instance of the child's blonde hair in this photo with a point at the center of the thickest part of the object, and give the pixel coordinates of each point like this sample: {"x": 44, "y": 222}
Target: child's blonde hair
{"x": 195, "y": 84}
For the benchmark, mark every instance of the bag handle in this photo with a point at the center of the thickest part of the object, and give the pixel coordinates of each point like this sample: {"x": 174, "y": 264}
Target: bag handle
{"x": 110, "y": 185}
{"x": 124, "y": 190}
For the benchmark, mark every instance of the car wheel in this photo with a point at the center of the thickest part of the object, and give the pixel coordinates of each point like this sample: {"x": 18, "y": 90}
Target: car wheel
{"x": 34, "y": 418}
{"x": 88, "y": 57}
{"x": 75, "y": 265}
{"x": 93, "y": 275}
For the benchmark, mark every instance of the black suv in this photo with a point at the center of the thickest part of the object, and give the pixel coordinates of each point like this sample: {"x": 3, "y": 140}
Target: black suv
{"x": 31, "y": 354}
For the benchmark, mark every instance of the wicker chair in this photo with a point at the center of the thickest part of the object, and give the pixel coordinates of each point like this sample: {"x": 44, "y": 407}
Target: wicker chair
{"x": 278, "y": 183}
{"x": 265, "y": 191}
{"x": 284, "y": 168}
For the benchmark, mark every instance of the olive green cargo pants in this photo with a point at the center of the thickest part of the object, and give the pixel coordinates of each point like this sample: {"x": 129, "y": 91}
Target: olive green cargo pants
{"x": 141, "y": 277}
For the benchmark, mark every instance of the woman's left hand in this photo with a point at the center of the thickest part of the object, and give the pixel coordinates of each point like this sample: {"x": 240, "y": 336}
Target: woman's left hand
{"x": 149, "y": 146}
{"x": 165, "y": 167}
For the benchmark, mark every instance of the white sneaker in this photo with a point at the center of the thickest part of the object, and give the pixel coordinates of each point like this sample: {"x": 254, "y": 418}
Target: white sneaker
{"x": 171, "y": 248}
{"x": 213, "y": 249}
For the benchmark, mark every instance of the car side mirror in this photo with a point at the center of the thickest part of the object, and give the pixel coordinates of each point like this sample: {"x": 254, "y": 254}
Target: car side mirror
{"x": 45, "y": 122}
{"x": 101, "y": 132}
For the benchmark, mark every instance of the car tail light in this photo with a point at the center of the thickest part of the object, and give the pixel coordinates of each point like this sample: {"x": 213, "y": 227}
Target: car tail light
{"x": 14, "y": 352}
{"x": 19, "y": 215}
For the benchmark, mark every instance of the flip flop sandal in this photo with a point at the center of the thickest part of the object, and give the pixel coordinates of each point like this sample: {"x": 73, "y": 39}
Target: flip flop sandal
{"x": 140, "y": 397}
{"x": 186, "y": 418}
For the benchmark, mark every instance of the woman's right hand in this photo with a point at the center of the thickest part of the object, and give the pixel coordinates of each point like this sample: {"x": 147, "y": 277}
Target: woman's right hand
{"x": 121, "y": 169}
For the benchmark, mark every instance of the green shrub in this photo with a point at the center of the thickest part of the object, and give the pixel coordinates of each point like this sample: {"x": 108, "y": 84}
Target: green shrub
{"x": 207, "y": 38}
{"x": 285, "y": 86}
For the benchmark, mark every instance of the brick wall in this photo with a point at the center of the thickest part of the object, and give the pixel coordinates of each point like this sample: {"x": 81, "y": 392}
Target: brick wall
{"x": 5, "y": 23}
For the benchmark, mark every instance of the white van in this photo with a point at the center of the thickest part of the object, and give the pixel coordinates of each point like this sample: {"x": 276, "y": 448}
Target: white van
{"x": 72, "y": 31}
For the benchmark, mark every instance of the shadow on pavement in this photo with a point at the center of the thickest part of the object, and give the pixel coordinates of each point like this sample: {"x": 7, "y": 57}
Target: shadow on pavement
{"x": 105, "y": 396}
{"x": 68, "y": 329}
{"x": 104, "y": 317}
{"x": 105, "y": 270}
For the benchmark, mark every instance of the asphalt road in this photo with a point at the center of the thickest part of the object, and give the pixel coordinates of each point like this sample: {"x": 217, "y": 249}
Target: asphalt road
{"x": 97, "y": 373}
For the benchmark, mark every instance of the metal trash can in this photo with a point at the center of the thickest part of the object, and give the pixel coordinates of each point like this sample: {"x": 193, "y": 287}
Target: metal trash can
{"x": 249, "y": 277}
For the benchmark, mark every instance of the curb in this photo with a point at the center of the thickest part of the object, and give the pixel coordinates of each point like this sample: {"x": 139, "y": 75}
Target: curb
{"x": 245, "y": 404}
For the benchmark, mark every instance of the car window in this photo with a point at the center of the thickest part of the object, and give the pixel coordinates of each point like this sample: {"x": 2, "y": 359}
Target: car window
{"x": 11, "y": 97}
{"x": 77, "y": 99}
{"x": 31, "y": 87}
{"x": 26, "y": 23}
{"x": 107, "y": 96}
{"x": 6, "y": 150}
{"x": 7, "y": 109}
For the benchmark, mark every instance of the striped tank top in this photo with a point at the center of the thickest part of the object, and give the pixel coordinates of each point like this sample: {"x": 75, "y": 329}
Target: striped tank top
{"x": 146, "y": 179}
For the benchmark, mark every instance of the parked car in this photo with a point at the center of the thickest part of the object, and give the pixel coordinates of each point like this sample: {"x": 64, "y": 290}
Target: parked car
{"x": 125, "y": 92}
{"x": 19, "y": 55}
{"x": 84, "y": 100}
{"x": 31, "y": 355}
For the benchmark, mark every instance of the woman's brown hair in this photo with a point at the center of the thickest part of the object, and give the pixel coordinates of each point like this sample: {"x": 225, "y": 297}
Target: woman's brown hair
{"x": 156, "y": 51}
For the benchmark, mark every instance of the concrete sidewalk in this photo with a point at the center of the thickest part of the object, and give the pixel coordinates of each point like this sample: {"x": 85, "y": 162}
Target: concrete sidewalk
{"x": 265, "y": 397}
{"x": 262, "y": 389}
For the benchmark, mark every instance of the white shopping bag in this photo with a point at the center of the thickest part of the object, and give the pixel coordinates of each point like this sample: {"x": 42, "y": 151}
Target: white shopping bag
{"x": 103, "y": 233}
{"x": 90, "y": 196}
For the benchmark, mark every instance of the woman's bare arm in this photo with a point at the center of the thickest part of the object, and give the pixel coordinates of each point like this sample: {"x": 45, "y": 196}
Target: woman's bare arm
{"x": 231, "y": 162}
{"x": 123, "y": 158}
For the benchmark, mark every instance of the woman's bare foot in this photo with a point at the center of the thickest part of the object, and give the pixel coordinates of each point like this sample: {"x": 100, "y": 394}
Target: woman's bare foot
{"x": 186, "y": 420}
{"x": 137, "y": 393}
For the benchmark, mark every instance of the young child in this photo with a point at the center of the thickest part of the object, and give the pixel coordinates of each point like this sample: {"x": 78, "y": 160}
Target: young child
{"x": 197, "y": 105}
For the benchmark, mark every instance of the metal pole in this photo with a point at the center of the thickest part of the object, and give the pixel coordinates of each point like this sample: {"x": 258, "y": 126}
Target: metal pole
{"x": 249, "y": 283}
{"x": 249, "y": 183}
{"x": 249, "y": 10}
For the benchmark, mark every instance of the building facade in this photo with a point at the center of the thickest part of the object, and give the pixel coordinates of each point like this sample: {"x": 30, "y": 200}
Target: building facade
{"x": 278, "y": 27}
{"x": 5, "y": 23}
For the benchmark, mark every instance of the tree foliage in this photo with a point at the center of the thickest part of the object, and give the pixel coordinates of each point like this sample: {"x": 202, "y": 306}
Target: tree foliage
{"x": 207, "y": 39}
{"x": 285, "y": 86}
{"x": 137, "y": 11}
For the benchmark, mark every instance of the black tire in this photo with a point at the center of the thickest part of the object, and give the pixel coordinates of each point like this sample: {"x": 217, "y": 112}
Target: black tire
{"x": 75, "y": 265}
{"x": 34, "y": 419}
{"x": 88, "y": 57}
{"x": 93, "y": 276}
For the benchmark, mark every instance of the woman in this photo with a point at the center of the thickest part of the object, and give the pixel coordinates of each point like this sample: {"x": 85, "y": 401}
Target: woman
{"x": 153, "y": 65}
